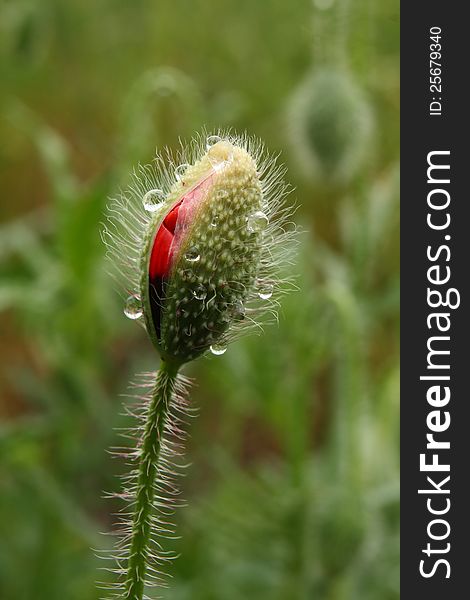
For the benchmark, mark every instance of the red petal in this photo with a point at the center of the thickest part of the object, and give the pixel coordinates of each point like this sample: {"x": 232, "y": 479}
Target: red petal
{"x": 165, "y": 244}
{"x": 161, "y": 256}
{"x": 172, "y": 217}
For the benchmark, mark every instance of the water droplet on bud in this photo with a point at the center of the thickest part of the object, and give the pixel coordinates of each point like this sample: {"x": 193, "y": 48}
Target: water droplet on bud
{"x": 237, "y": 311}
{"x": 218, "y": 349}
{"x": 215, "y": 221}
{"x": 212, "y": 140}
{"x": 200, "y": 292}
{"x": 265, "y": 290}
{"x": 257, "y": 222}
{"x": 192, "y": 255}
{"x": 220, "y": 153}
{"x": 218, "y": 163}
{"x": 133, "y": 308}
{"x": 152, "y": 200}
{"x": 180, "y": 171}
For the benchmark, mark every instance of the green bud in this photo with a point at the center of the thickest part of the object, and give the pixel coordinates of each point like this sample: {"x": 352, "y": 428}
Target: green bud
{"x": 207, "y": 238}
{"x": 330, "y": 123}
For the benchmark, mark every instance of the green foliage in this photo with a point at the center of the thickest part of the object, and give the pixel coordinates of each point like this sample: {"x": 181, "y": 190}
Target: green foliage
{"x": 293, "y": 487}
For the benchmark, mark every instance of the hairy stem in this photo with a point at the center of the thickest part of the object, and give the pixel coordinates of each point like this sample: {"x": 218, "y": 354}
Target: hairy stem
{"x": 148, "y": 471}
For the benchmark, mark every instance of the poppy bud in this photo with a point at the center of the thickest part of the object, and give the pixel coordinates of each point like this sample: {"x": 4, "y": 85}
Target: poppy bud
{"x": 207, "y": 243}
{"x": 331, "y": 125}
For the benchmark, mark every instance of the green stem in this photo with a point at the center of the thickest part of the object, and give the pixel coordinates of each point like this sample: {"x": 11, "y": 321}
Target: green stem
{"x": 148, "y": 471}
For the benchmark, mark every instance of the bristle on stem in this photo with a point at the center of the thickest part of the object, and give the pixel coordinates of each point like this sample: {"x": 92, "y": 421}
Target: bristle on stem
{"x": 150, "y": 492}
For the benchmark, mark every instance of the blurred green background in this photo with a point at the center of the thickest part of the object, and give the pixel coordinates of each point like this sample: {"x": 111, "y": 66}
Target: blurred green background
{"x": 293, "y": 491}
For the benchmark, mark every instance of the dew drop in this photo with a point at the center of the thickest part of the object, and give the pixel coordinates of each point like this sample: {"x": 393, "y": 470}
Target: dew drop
{"x": 218, "y": 349}
{"x": 218, "y": 163}
{"x": 212, "y": 140}
{"x": 215, "y": 221}
{"x": 192, "y": 255}
{"x": 180, "y": 171}
{"x": 200, "y": 292}
{"x": 237, "y": 311}
{"x": 265, "y": 290}
{"x": 133, "y": 308}
{"x": 152, "y": 200}
{"x": 220, "y": 156}
{"x": 257, "y": 222}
